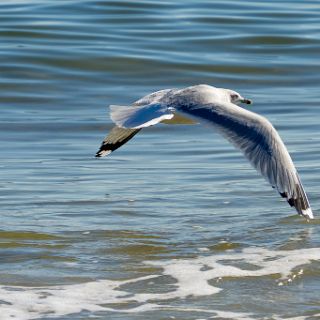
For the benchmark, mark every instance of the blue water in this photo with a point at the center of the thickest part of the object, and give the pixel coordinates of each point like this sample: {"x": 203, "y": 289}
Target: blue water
{"x": 174, "y": 195}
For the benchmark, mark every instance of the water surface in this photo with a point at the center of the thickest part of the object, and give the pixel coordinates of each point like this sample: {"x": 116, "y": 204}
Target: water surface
{"x": 175, "y": 224}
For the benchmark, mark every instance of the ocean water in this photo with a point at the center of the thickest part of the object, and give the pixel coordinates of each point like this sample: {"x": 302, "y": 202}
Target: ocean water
{"x": 175, "y": 224}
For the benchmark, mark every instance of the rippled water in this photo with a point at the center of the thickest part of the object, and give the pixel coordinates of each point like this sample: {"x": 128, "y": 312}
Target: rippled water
{"x": 175, "y": 224}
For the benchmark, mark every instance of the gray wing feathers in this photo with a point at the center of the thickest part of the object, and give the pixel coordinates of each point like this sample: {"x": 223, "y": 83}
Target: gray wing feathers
{"x": 262, "y": 146}
{"x": 115, "y": 139}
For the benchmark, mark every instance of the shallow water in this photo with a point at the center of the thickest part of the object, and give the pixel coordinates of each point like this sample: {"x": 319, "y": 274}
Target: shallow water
{"x": 175, "y": 224}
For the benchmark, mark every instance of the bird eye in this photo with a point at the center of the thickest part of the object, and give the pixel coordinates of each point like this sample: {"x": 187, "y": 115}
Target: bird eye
{"x": 234, "y": 96}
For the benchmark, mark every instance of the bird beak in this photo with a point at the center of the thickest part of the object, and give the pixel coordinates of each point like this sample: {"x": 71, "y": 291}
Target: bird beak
{"x": 246, "y": 101}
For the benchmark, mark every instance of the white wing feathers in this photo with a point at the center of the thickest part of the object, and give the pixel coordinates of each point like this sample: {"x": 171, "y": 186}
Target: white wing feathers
{"x": 138, "y": 117}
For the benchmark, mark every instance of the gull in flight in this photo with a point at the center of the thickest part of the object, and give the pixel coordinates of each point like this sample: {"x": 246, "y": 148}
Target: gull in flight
{"x": 219, "y": 108}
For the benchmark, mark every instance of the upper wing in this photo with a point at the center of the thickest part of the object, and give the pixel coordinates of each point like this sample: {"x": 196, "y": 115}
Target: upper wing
{"x": 260, "y": 143}
{"x": 115, "y": 139}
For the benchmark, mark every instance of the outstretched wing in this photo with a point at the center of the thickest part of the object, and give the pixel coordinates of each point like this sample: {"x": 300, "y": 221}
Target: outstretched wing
{"x": 260, "y": 143}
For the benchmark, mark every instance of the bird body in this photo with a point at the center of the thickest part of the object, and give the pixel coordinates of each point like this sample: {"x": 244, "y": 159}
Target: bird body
{"x": 218, "y": 108}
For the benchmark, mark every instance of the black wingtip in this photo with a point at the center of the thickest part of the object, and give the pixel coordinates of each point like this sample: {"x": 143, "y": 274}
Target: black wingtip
{"x": 102, "y": 153}
{"x": 299, "y": 202}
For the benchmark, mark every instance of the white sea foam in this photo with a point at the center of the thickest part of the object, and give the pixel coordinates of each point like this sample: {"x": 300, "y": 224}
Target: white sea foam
{"x": 191, "y": 276}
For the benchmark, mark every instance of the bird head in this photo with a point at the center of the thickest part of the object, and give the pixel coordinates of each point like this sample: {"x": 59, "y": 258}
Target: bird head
{"x": 236, "y": 97}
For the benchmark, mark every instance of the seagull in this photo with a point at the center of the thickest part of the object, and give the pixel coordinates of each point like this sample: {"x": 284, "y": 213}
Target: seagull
{"x": 218, "y": 108}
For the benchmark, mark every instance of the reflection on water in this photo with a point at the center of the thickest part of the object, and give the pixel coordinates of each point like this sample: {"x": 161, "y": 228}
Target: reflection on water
{"x": 175, "y": 223}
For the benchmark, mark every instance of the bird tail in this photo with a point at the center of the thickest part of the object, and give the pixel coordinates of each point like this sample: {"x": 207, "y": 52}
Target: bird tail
{"x": 137, "y": 117}
{"x": 129, "y": 121}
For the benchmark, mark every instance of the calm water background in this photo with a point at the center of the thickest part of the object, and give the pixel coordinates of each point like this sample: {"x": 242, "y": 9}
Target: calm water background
{"x": 153, "y": 231}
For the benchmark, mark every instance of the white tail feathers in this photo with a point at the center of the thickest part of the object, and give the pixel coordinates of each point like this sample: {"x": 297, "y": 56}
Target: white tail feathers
{"x": 137, "y": 117}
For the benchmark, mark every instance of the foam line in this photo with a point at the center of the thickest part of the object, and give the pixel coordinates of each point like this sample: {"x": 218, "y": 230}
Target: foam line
{"x": 191, "y": 280}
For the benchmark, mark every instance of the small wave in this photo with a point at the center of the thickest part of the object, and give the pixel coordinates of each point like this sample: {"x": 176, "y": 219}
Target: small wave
{"x": 189, "y": 278}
